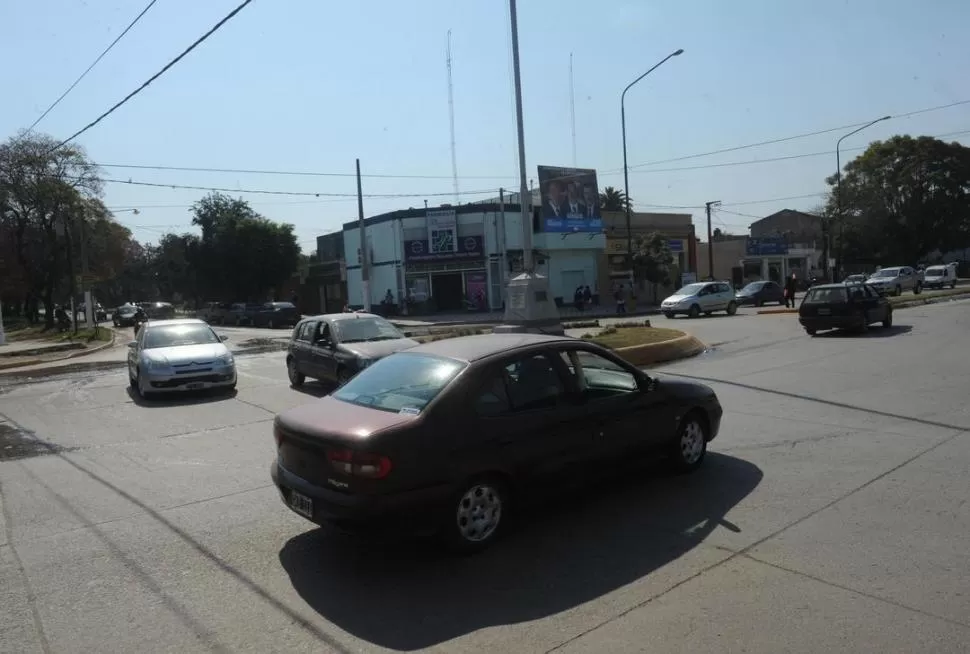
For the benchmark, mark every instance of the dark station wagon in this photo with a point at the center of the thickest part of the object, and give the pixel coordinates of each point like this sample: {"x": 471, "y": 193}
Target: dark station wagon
{"x": 444, "y": 436}
{"x": 843, "y": 306}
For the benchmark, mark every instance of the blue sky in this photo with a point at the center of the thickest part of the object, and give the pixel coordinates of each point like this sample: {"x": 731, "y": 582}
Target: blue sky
{"x": 309, "y": 85}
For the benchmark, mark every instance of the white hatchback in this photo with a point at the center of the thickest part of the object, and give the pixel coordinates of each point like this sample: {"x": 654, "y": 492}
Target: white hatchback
{"x": 702, "y": 297}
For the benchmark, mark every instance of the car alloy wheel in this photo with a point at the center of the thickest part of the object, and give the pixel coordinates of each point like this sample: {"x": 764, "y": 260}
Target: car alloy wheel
{"x": 296, "y": 379}
{"x": 690, "y": 446}
{"x": 694, "y": 311}
{"x": 478, "y": 514}
{"x": 732, "y": 308}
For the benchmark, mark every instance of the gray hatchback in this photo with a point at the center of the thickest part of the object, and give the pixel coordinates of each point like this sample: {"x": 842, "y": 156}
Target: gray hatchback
{"x": 335, "y": 347}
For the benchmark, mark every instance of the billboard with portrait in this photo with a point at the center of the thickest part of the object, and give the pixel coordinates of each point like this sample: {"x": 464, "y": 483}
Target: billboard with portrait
{"x": 570, "y": 200}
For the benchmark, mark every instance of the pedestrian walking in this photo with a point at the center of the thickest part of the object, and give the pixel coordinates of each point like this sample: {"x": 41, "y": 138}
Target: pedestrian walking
{"x": 791, "y": 285}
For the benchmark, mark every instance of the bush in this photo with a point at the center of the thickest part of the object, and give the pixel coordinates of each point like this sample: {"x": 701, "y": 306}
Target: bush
{"x": 583, "y": 324}
{"x": 631, "y": 323}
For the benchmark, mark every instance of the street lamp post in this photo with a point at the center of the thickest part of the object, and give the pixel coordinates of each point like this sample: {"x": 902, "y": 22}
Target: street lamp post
{"x": 838, "y": 195}
{"x": 626, "y": 172}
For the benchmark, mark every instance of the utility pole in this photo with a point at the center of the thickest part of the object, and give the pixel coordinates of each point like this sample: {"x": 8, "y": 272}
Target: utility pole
{"x": 88, "y": 309}
{"x": 710, "y": 239}
{"x": 364, "y": 253}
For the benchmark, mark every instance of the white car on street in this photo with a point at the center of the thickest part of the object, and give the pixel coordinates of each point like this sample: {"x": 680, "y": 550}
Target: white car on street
{"x": 702, "y": 297}
{"x": 895, "y": 280}
{"x": 940, "y": 276}
{"x": 179, "y": 355}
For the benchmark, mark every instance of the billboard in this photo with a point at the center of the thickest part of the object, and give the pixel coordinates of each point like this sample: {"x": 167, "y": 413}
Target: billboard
{"x": 570, "y": 200}
{"x": 766, "y": 246}
{"x": 442, "y": 230}
{"x": 468, "y": 248}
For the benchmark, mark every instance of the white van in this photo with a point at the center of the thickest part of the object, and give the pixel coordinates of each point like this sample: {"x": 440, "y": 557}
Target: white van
{"x": 940, "y": 276}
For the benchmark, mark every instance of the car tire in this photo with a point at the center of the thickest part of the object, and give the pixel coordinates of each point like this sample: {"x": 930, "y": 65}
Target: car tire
{"x": 694, "y": 311}
{"x": 689, "y": 447}
{"x": 899, "y": 291}
{"x": 864, "y": 328}
{"x": 668, "y": 314}
{"x": 732, "y": 308}
{"x": 475, "y": 515}
{"x": 917, "y": 289}
{"x": 810, "y": 331}
{"x": 142, "y": 393}
{"x": 888, "y": 322}
{"x": 759, "y": 303}
{"x": 953, "y": 285}
{"x": 296, "y": 377}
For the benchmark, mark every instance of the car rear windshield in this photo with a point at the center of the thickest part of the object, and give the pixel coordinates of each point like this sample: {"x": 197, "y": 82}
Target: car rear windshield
{"x": 173, "y": 335}
{"x": 834, "y": 295}
{"x": 366, "y": 328}
{"x": 935, "y": 270}
{"x": 401, "y": 383}
{"x": 886, "y": 272}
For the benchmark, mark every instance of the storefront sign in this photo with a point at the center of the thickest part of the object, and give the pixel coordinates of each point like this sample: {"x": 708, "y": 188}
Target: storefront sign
{"x": 766, "y": 246}
{"x": 468, "y": 248}
{"x": 570, "y": 200}
{"x": 618, "y": 245}
{"x": 442, "y": 230}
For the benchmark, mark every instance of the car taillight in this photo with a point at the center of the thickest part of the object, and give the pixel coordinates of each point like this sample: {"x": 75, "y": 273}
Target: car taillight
{"x": 359, "y": 464}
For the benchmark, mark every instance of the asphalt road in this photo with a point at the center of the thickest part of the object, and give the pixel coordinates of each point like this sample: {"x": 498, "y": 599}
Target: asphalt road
{"x": 831, "y": 515}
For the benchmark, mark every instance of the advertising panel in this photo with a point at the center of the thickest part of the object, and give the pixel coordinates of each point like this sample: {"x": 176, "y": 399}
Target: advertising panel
{"x": 442, "y": 230}
{"x": 570, "y": 200}
{"x": 476, "y": 285}
{"x": 468, "y": 248}
{"x": 766, "y": 246}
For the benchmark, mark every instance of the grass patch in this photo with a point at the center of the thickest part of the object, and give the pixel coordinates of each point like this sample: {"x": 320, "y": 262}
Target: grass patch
{"x": 929, "y": 295}
{"x": 625, "y": 337}
{"x": 581, "y": 324}
{"x": 38, "y": 333}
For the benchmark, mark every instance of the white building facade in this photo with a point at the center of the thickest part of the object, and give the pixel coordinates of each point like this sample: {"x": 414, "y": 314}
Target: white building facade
{"x": 452, "y": 259}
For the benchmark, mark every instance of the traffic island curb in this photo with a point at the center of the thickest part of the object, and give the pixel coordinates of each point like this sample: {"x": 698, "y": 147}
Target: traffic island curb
{"x": 650, "y": 354}
{"x": 13, "y": 365}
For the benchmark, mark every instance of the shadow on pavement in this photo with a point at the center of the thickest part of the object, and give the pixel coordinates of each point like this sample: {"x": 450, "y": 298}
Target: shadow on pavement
{"x": 315, "y": 388}
{"x": 872, "y": 332}
{"x": 558, "y": 558}
{"x": 186, "y": 398}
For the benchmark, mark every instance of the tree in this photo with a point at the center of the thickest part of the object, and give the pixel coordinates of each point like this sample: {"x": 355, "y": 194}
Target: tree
{"x": 612, "y": 199}
{"x": 43, "y": 190}
{"x": 902, "y": 199}
{"x": 241, "y": 254}
{"x": 652, "y": 259}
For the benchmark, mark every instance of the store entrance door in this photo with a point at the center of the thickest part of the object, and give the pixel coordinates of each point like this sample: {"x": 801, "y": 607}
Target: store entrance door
{"x": 447, "y": 291}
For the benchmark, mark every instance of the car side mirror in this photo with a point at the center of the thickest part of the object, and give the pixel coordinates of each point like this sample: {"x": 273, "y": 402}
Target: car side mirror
{"x": 647, "y": 384}
{"x": 133, "y": 344}
{"x": 223, "y": 338}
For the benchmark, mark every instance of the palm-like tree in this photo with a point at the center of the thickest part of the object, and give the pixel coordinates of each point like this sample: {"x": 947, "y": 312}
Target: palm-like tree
{"x": 612, "y": 199}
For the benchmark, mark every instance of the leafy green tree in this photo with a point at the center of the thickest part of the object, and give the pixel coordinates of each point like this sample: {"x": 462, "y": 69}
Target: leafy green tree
{"x": 612, "y": 199}
{"x": 901, "y": 199}
{"x": 44, "y": 189}
{"x": 241, "y": 254}
{"x": 652, "y": 260}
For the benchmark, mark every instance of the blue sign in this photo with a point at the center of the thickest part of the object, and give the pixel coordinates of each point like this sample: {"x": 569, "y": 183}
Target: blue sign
{"x": 676, "y": 246}
{"x": 766, "y": 246}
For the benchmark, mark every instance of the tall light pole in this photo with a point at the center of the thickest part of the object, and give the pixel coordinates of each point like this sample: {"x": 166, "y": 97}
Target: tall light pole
{"x": 626, "y": 172}
{"x": 838, "y": 194}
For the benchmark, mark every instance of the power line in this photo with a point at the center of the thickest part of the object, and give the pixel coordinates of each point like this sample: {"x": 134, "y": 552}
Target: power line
{"x": 151, "y": 79}
{"x": 89, "y": 68}
{"x": 292, "y": 193}
{"x": 789, "y": 138}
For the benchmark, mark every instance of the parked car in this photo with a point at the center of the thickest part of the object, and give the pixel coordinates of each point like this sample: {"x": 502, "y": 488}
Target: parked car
{"x": 158, "y": 310}
{"x": 335, "y": 347}
{"x": 241, "y": 313}
{"x": 276, "y": 314}
{"x": 179, "y": 355}
{"x": 706, "y": 297}
{"x": 940, "y": 276}
{"x": 124, "y": 316}
{"x": 897, "y": 279}
{"x": 760, "y": 293}
{"x": 843, "y": 306}
{"x": 854, "y": 279}
{"x": 447, "y": 435}
{"x": 215, "y": 313}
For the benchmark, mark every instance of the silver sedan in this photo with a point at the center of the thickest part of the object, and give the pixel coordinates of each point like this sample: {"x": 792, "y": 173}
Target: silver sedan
{"x": 179, "y": 355}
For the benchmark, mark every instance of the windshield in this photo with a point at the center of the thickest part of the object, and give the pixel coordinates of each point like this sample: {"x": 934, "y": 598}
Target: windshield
{"x": 127, "y": 311}
{"x": 403, "y": 382}
{"x": 753, "y": 287}
{"x": 886, "y": 272}
{"x": 833, "y": 295}
{"x": 366, "y": 328}
{"x": 174, "y": 335}
{"x": 691, "y": 289}
{"x": 935, "y": 270}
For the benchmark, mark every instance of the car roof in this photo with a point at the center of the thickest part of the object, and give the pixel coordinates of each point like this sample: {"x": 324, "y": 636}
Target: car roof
{"x": 344, "y": 315}
{"x": 839, "y": 285}
{"x": 473, "y": 348}
{"x": 177, "y": 321}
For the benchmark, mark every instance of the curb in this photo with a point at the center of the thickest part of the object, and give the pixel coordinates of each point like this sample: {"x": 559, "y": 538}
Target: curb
{"x": 903, "y": 304}
{"x": 578, "y": 318}
{"x": 648, "y": 354}
{"x": 73, "y": 355}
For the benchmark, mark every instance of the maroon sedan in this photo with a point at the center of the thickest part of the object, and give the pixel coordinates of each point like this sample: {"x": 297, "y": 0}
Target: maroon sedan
{"x": 445, "y": 435}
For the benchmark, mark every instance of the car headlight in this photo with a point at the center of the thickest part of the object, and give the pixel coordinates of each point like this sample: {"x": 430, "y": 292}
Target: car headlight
{"x": 225, "y": 358}
{"x": 156, "y": 364}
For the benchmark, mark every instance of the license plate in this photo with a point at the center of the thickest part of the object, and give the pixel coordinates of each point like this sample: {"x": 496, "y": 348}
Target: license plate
{"x": 824, "y": 312}
{"x": 301, "y": 504}
{"x": 195, "y": 385}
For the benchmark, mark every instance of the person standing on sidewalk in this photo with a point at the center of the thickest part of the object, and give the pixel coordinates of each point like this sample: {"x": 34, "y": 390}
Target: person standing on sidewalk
{"x": 791, "y": 285}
